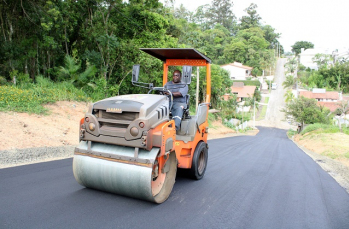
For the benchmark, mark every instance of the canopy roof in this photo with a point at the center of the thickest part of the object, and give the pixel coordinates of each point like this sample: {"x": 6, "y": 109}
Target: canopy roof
{"x": 176, "y": 53}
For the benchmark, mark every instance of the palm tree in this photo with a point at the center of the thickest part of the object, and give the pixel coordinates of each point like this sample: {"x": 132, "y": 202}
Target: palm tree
{"x": 71, "y": 72}
{"x": 289, "y": 82}
{"x": 289, "y": 96}
{"x": 292, "y": 66}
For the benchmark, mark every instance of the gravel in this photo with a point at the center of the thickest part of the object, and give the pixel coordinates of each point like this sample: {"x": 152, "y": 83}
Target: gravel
{"x": 16, "y": 157}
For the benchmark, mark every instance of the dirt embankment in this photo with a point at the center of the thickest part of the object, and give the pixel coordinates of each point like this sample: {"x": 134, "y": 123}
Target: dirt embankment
{"x": 59, "y": 128}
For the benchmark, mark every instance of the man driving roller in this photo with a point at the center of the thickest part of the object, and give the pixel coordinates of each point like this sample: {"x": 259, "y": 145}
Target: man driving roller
{"x": 179, "y": 93}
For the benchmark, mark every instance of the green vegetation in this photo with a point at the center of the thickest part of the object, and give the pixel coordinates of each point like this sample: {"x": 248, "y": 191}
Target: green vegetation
{"x": 320, "y": 128}
{"x": 296, "y": 48}
{"x": 306, "y": 111}
{"x": 264, "y": 110}
{"x": 85, "y": 50}
{"x": 29, "y": 98}
{"x": 291, "y": 133}
{"x": 346, "y": 155}
{"x": 323, "y": 128}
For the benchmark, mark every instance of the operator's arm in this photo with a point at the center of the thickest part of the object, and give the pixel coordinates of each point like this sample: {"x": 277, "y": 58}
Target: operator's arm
{"x": 177, "y": 94}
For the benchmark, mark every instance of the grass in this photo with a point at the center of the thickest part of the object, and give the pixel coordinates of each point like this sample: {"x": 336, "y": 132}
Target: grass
{"x": 264, "y": 110}
{"x": 331, "y": 154}
{"x": 291, "y": 132}
{"x": 323, "y": 128}
{"x": 346, "y": 155}
{"x": 30, "y": 98}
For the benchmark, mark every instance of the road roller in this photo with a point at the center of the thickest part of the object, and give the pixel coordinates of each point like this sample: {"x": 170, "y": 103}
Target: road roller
{"x": 129, "y": 144}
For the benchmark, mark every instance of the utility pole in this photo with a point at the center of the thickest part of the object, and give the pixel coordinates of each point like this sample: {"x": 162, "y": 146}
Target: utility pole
{"x": 197, "y": 87}
{"x": 254, "y": 113}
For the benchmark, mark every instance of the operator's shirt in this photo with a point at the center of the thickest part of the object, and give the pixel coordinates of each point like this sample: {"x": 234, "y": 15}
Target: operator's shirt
{"x": 181, "y": 88}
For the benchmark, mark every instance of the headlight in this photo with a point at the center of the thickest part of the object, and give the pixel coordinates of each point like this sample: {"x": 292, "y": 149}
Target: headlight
{"x": 134, "y": 131}
{"x": 92, "y": 126}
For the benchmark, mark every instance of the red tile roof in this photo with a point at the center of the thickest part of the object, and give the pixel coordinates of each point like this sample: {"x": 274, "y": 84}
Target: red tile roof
{"x": 243, "y": 92}
{"x": 328, "y": 95}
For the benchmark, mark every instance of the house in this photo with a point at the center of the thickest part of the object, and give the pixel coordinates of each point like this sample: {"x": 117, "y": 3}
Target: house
{"x": 237, "y": 71}
{"x": 306, "y": 57}
{"x": 241, "y": 91}
{"x": 328, "y": 99}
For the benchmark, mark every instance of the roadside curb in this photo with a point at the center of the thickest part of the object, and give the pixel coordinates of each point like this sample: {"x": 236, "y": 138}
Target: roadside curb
{"x": 335, "y": 169}
{"x": 16, "y": 157}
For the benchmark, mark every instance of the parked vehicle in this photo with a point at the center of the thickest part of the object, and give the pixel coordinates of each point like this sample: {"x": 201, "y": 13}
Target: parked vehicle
{"x": 274, "y": 86}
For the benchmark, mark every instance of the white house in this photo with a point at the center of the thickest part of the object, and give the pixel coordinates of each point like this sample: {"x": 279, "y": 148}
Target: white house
{"x": 237, "y": 71}
{"x": 306, "y": 56}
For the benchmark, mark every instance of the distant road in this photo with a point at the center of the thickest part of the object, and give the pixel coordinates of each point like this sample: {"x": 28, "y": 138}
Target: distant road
{"x": 262, "y": 181}
{"x": 274, "y": 117}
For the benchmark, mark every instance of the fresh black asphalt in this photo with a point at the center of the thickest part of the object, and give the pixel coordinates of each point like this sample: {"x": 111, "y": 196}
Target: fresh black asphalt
{"x": 262, "y": 181}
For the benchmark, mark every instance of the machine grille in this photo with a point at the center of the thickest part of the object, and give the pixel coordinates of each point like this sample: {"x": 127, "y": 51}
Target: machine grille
{"x": 115, "y": 124}
{"x": 125, "y": 116}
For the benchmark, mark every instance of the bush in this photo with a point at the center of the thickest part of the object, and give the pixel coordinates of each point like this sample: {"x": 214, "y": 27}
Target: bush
{"x": 3, "y": 80}
{"x": 30, "y": 97}
{"x": 291, "y": 132}
{"x": 229, "y": 125}
{"x": 323, "y": 128}
{"x": 244, "y": 117}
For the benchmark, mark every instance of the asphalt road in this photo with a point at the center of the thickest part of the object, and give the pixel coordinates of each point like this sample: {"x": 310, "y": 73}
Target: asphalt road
{"x": 261, "y": 181}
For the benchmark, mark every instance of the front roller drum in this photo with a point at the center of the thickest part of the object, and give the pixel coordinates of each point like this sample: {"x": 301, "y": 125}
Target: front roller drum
{"x": 152, "y": 181}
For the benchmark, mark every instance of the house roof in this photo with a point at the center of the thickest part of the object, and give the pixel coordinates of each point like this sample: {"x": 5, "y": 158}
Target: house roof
{"x": 243, "y": 92}
{"x": 327, "y": 95}
{"x": 238, "y": 65}
{"x": 330, "y": 105}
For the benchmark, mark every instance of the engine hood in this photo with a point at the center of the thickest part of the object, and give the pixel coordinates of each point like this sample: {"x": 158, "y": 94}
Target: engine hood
{"x": 141, "y": 103}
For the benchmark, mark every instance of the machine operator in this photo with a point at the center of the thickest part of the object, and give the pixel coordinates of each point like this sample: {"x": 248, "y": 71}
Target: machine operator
{"x": 179, "y": 93}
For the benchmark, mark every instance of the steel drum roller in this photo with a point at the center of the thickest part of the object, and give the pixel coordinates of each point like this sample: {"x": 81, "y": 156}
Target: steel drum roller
{"x": 120, "y": 176}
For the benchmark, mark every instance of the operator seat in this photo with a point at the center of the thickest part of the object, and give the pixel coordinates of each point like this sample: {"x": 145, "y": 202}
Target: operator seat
{"x": 186, "y": 110}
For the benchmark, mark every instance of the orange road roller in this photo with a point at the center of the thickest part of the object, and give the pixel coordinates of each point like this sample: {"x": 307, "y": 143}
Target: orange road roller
{"x": 129, "y": 144}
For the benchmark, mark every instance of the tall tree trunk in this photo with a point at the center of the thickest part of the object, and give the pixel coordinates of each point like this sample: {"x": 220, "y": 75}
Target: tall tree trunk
{"x": 32, "y": 68}
{"x": 2, "y": 26}
{"x": 65, "y": 38}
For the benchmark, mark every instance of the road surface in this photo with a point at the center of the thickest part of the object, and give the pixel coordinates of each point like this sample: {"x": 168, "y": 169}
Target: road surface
{"x": 274, "y": 117}
{"x": 261, "y": 181}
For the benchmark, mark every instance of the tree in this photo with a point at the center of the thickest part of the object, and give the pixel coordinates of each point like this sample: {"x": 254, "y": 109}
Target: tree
{"x": 336, "y": 77}
{"x": 220, "y": 12}
{"x": 253, "y": 18}
{"x": 296, "y": 48}
{"x": 306, "y": 111}
{"x": 289, "y": 96}
{"x": 289, "y": 82}
{"x": 271, "y": 36}
{"x": 71, "y": 71}
{"x": 322, "y": 60}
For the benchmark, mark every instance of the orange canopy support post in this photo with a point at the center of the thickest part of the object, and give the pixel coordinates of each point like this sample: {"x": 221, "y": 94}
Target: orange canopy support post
{"x": 164, "y": 77}
{"x": 208, "y": 82}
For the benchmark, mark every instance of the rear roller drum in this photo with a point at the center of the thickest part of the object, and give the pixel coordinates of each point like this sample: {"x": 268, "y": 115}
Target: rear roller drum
{"x": 199, "y": 164}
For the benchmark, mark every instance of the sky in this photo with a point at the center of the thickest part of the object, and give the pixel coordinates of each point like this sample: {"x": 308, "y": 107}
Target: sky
{"x": 323, "y": 23}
